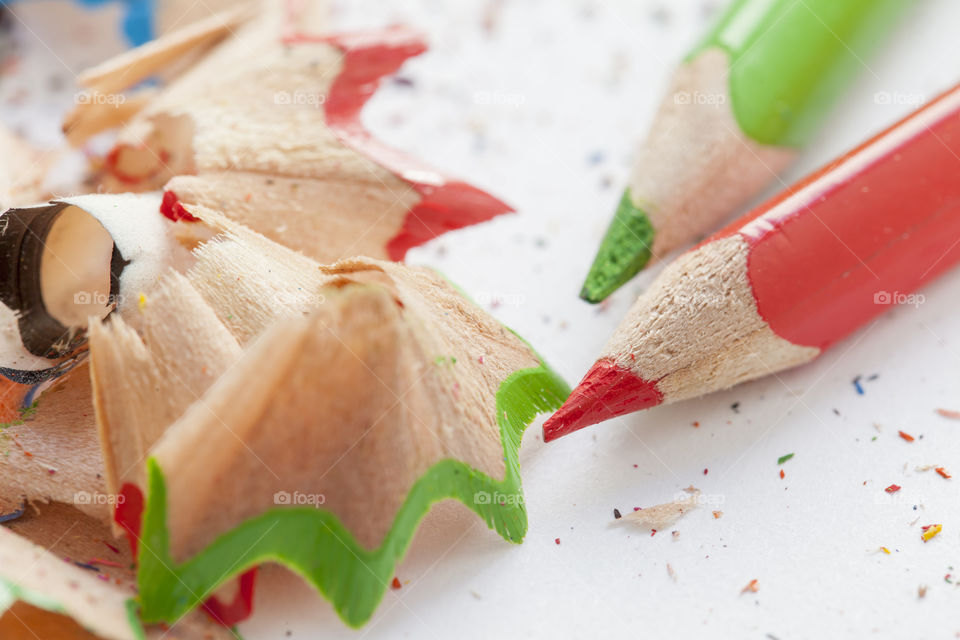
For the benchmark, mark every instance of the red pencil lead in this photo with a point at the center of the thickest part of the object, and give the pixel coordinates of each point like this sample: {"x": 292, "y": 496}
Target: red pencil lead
{"x": 605, "y": 392}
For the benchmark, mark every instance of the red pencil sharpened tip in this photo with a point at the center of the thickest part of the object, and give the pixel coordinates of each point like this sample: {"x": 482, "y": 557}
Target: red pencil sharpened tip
{"x": 605, "y": 392}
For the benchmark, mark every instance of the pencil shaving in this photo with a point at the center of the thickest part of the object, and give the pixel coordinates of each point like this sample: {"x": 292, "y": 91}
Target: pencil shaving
{"x": 661, "y": 516}
{"x": 144, "y": 380}
{"x": 52, "y": 591}
{"x": 61, "y": 432}
{"x": 265, "y": 127}
{"x": 132, "y": 67}
{"x": 173, "y": 382}
{"x": 357, "y": 332}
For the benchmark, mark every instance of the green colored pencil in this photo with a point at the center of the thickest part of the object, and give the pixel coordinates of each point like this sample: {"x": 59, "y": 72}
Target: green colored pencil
{"x": 740, "y": 105}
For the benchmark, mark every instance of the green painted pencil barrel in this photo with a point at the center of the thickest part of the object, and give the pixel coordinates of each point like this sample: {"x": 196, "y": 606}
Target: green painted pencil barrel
{"x": 788, "y": 61}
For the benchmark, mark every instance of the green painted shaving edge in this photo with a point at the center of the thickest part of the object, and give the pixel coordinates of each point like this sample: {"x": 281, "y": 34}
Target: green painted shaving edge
{"x": 789, "y": 61}
{"x": 134, "y": 619}
{"x": 624, "y": 251}
{"x": 315, "y": 544}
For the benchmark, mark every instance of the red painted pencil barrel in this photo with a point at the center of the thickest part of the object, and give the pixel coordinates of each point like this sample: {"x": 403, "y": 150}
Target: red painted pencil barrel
{"x": 862, "y": 233}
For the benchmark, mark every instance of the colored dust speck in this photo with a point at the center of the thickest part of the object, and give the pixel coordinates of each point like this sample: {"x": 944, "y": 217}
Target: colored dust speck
{"x": 556, "y": 540}
{"x": 106, "y": 563}
{"x": 784, "y": 458}
{"x": 110, "y": 546}
{"x": 930, "y": 531}
{"x": 616, "y": 514}
{"x": 943, "y": 472}
{"x": 906, "y": 436}
{"x": 949, "y": 413}
{"x": 395, "y": 584}
{"x": 885, "y": 550}
{"x": 752, "y": 586}
{"x": 892, "y": 488}
{"x": 142, "y": 302}
{"x": 782, "y": 474}
{"x": 857, "y": 385}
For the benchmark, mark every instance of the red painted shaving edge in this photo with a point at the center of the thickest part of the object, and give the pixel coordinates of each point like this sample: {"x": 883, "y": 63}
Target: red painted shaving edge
{"x": 171, "y": 208}
{"x": 128, "y": 513}
{"x": 446, "y": 204}
{"x": 240, "y": 607}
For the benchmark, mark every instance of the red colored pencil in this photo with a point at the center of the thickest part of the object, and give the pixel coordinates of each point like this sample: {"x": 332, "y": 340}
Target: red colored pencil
{"x": 780, "y": 285}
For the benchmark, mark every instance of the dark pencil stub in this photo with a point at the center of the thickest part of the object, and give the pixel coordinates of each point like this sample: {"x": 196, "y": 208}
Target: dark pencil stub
{"x": 65, "y": 262}
{"x": 46, "y": 251}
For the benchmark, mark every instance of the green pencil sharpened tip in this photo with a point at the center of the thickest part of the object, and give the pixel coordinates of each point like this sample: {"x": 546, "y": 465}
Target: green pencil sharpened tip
{"x": 625, "y": 250}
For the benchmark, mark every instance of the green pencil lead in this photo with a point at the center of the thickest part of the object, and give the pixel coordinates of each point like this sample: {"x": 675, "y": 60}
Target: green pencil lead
{"x": 625, "y": 250}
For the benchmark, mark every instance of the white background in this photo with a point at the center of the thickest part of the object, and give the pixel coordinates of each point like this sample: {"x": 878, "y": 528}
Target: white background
{"x": 541, "y": 103}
